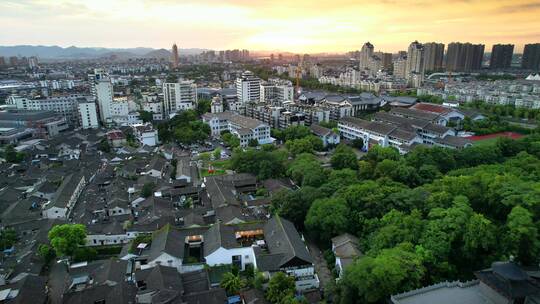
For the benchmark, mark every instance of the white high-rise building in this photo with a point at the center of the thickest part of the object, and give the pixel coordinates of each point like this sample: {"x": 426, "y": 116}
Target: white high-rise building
{"x": 88, "y": 115}
{"x": 178, "y": 96}
{"x": 414, "y": 71}
{"x": 102, "y": 88}
{"x": 248, "y": 87}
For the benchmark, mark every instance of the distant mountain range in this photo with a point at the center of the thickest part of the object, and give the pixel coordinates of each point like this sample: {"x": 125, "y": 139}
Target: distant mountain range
{"x": 73, "y": 52}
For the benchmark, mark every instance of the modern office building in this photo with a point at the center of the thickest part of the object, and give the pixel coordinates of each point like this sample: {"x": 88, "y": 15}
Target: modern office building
{"x": 365, "y": 55}
{"x": 414, "y": 70}
{"x": 434, "y": 56}
{"x": 464, "y": 57}
{"x": 177, "y": 96}
{"x": 501, "y": 56}
{"x": 531, "y": 57}
{"x": 248, "y": 87}
{"x": 175, "y": 58}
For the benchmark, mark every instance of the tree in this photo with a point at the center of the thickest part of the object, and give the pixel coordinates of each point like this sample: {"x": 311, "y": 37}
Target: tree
{"x": 203, "y": 106}
{"x": 280, "y": 287}
{"x": 232, "y": 283}
{"x": 7, "y": 238}
{"x": 327, "y": 218}
{"x": 344, "y": 157}
{"x": 65, "y": 239}
{"x": 357, "y": 143}
{"x": 296, "y": 132}
{"x": 294, "y": 205}
{"x": 147, "y": 189}
{"x": 104, "y": 146}
{"x": 372, "y": 279}
{"x": 523, "y": 235}
{"x": 377, "y": 154}
{"x": 217, "y": 153}
{"x": 13, "y": 156}
{"x": 253, "y": 142}
{"x": 230, "y": 140}
{"x": 146, "y": 116}
{"x": 46, "y": 252}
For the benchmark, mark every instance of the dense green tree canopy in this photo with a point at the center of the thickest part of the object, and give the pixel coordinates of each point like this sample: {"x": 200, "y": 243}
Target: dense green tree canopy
{"x": 67, "y": 238}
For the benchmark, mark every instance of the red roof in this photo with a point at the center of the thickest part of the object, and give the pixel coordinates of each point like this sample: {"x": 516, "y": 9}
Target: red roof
{"x": 431, "y": 107}
{"x": 511, "y": 135}
{"x": 115, "y": 135}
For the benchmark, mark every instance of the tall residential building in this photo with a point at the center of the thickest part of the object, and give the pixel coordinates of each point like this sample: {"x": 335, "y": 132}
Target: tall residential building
{"x": 2, "y": 61}
{"x": 531, "y": 57}
{"x": 501, "y": 56}
{"x": 102, "y": 89}
{"x": 464, "y": 57}
{"x": 386, "y": 60}
{"x": 365, "y": 55}
{"x": 434, "y": 55}
{"x": 88, "y": 114}
{"x": 400, "y": 64}
{"x": 33, "y": 62}
{"x": 175, "y": 59}
{"x": 178, "y": 96}
{"x": 248, "y": 87}
{"x": 414, "y": 70}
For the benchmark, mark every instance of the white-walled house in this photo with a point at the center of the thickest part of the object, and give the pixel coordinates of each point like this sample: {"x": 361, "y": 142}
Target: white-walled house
{"x": 65, "y": 197}
{"x": 146, "y": 134}
{"x": 243, "y": 127}
{"x": 327, "y": 136}
{"x": 222, "y": 247}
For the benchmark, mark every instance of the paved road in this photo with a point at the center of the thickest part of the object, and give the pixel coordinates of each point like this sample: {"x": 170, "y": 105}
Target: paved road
{"x": 325, "y": 276}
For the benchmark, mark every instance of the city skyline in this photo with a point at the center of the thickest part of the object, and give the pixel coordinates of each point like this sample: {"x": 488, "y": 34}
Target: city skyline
{"x": 303, "y": 27}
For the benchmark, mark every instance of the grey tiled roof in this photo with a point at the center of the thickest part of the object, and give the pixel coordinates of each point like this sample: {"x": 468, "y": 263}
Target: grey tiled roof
{"x": 284, "y": 242}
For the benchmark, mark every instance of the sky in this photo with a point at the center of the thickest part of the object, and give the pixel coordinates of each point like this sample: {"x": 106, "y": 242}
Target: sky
{"x": 303, "y": 26}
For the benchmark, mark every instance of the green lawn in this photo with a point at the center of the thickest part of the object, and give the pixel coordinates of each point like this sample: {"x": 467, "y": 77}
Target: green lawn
{"x": 485, "y": 142}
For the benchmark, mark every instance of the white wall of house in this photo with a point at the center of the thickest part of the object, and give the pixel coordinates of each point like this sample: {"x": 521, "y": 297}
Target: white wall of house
{"x": 107, "y": 239}
{"x": 54, "y": 213}
{"x": 165, "y": 259}
{"x": 149, "y": 138}
{"x": 224, "y": 256}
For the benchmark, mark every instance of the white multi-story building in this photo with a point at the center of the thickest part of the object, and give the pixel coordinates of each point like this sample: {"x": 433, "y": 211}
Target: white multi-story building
{"x": 154, "y": 107}
{"x": 102, "y": 88}
{"x": 67, "y": 105}
{"x": 146, "y": 134}
{"x": 248, "y": 88}
{"x": 244, "y": 128}
{"x": 178, "y": 96}
{"x": 276, "y": 91}
{"x": 88, "y": 115}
